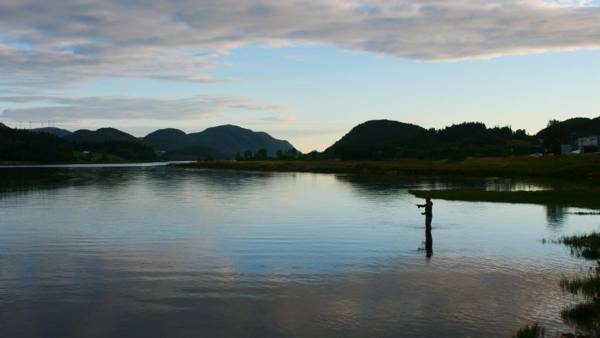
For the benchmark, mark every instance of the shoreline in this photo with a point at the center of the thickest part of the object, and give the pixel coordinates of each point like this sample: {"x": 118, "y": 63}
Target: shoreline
{"x": 577, "y": 198}
{"x": 580, "y": 168}
{"x": 15, "y": 165}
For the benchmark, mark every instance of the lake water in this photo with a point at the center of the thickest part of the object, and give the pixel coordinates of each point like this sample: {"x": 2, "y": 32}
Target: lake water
{"x": 169, "y": 252}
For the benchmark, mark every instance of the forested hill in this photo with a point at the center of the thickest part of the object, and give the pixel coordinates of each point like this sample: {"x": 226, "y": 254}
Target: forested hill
{"x": 567, "y": 131}
{"x": 573, "y": 128}
{"x": 111, "y": 143}
{"x": 221, "y": 142}
{"x": 54, "y": 145}
{"x": 53, "y": 131}
{"x": 26, "y": 146}
{"x": 371, "y": 140}
{"x": 101, "y": 135}
{"x": 40, "y": 146}
{"x": 230, "y": 139}
{"x": 385, "y": 139}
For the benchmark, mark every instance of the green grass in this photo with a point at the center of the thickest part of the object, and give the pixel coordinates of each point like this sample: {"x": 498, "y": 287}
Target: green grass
{"x": 581, "y": 198}
{"x": 583, "y": 167}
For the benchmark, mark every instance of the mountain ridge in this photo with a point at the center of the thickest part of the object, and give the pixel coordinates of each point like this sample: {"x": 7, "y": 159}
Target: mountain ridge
{"x": 53, "y": 131}
{"x": 388, "y": 139}
{"x": 223, "y": 142}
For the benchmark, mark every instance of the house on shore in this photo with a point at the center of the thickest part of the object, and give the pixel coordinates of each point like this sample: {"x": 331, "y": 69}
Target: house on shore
{"x": 566, "y": 149}
{"x": 589, "y": 144}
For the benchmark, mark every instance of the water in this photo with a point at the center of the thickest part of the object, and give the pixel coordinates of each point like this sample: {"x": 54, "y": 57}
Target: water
{"x": 168, "y": 252}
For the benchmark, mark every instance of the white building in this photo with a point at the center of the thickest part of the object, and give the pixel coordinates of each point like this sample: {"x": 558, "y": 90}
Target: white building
{"x": 589, "y": 143}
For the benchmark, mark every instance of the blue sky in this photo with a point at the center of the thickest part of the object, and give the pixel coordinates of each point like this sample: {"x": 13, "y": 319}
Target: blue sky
{"x": 520, "y": 64}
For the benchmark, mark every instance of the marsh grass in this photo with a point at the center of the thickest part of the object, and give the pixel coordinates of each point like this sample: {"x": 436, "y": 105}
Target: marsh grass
{"x": 530, "y": 331}
{"x": 584, "y": 316}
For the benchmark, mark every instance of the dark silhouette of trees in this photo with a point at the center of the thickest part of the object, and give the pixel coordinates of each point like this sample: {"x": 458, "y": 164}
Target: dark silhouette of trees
{"x": 25, "y": 146}
{"x": 126, "y": 150}
{"x": 398, "y": 140}
{"x": 262, "y": 154}
{"x": 555, "y": 135}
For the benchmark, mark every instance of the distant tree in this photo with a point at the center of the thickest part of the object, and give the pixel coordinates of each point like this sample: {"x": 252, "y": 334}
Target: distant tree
{"x": 293, "y": 154}
{"x": 238, "y": 157}
{"x": 314, "y": 155}
{"x": 555, "y": 136}
{"x": 261, "y": 155}
{"x": 456, "y": 142}
{"x": 521, "y": 134}
{"x": 26, "y": 146}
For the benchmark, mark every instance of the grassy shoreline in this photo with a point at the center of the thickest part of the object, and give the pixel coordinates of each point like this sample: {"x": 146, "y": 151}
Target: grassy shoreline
{"x": 580, "y": 198}
{"x": 17, "y": 164}
{"x": 584, "y": 167}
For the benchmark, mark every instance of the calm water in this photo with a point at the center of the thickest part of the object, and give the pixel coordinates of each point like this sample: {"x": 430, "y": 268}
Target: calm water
{"x": 167, "y": 252}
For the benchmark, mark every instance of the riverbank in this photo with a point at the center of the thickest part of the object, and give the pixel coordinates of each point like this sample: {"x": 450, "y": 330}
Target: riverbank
{"x": 89, "y": 165}
{"x": 7, "y": 163}
{"x": 583, "y": 167}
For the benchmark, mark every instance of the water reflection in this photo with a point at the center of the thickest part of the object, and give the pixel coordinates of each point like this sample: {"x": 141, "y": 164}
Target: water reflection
{"x": 380, "y": 185}
{"x": 428, "y": 218}
{"x": 428, "y": 237}
{"x": 154, "y": 252}
{"x": 556, "y": 215}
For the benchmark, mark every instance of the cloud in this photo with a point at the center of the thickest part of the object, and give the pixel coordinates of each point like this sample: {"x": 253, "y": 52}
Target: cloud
{"x": 62, "y": 41}
{"x": 119, "y": 108}
{"x": 278, "y": 119}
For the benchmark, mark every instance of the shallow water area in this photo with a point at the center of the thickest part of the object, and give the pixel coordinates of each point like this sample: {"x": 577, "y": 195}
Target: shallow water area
{"x": 154, "y": 251}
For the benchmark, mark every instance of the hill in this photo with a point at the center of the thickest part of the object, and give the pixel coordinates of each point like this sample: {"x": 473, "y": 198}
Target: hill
{"x": 575, "y": 127}
{"x": 110, "y": 141}
{"x": 222, "y": 142}
{"x": 385, "y": 139}
{"x": 376, "y": 139}
{"x": 168, "y": 139}
{"x": 567, "y": 131}
{"x": 100, "y": 136}
{"x": 230, "y": 139}
{"x": 53, "y": 131}
{"x": 26, "y": 146}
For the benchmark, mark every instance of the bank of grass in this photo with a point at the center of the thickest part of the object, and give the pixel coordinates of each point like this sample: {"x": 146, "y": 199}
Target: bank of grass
{"x": 584, "y": 317}
{"x": 582, "y": 167}
{"x": 580, "y": 198}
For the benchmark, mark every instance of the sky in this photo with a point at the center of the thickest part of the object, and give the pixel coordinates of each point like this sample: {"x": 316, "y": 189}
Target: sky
{"x": 306, "y": 71}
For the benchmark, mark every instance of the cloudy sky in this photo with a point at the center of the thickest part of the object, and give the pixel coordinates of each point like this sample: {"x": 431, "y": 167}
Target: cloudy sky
{"x": 303, "y": 70}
